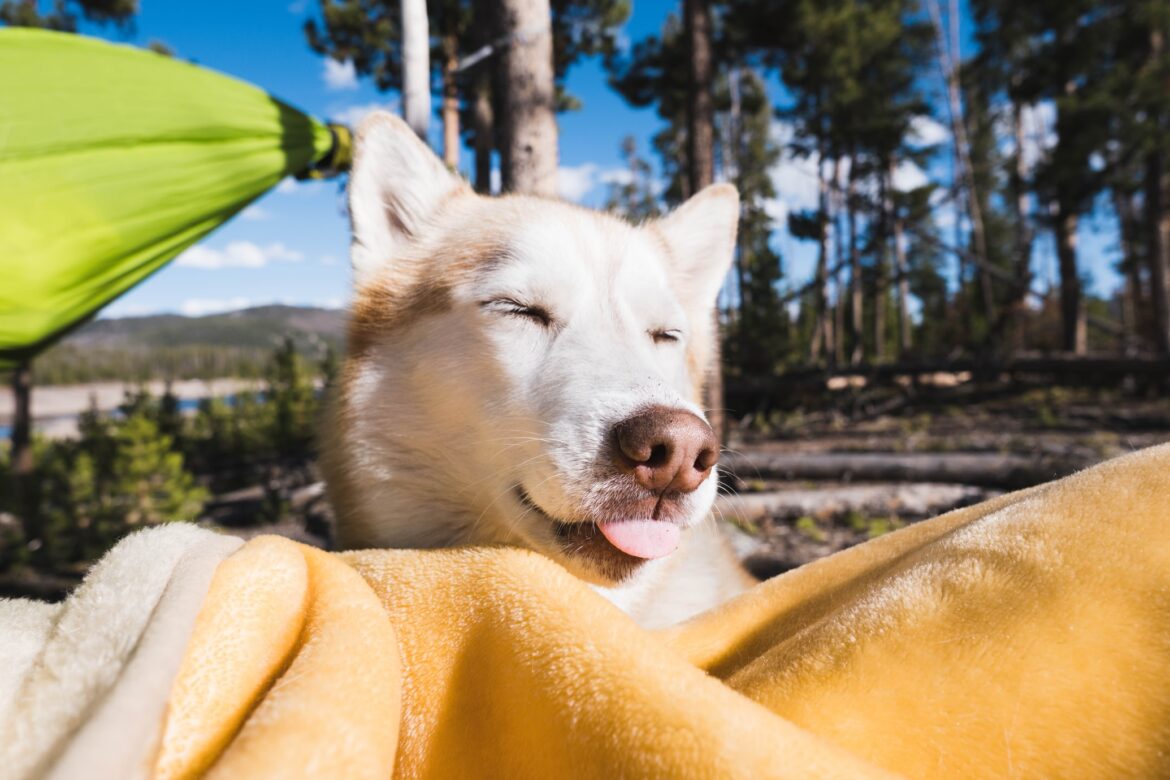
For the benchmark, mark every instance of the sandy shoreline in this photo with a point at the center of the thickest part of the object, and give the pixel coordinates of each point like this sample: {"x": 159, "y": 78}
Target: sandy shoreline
{"x": 55, "y": 407}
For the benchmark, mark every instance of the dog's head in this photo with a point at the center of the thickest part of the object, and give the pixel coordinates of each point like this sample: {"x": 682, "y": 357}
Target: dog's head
{"x": 522, "y": 370}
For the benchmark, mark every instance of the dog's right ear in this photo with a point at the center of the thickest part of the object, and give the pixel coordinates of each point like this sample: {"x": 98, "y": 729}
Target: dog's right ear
{"x": 396, "y": 185}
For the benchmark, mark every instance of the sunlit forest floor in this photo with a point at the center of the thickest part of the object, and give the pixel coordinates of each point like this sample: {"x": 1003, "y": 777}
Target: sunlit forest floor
{"x": 946, "y": 451}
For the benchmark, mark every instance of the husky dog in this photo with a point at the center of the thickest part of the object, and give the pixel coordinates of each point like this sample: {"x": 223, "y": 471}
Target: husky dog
{"x": 524, "y": 371}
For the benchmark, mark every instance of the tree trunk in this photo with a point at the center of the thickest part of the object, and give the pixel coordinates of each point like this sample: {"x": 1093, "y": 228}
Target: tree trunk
{"x": 22, "y": 455}
{"x": 1023, "y": 234}
{"x": 880, "y": 281}
{"x": 701, "y": 165}
{"x": 700, "y": 103}
{"x": 528, "y": 146}
{"x": 483, "y": 116}
{"x": 1131, "y": 298}
{"x": 903, "y": 283}
{"x": 949, "y": 64}
{"x": 416, "y": 67}
{"x": 856, "y": 289}
{"x": 484, "y": 136}
{"x": 1072, "y": 310}
{"x": 450, "y": 100}
{"x": 1158, "y": 254}
{"x": 820, "y": 336}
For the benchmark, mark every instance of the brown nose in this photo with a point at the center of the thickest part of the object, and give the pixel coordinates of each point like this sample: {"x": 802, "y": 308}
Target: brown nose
{"x": 666, "y": 449}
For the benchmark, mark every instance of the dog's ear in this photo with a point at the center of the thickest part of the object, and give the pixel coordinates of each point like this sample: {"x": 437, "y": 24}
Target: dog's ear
{"x": 396, "y": 185}
{"x": 701, "y": 235}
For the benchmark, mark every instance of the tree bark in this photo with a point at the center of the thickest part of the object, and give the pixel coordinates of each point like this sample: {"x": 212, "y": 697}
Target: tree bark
{"x": 1131, "y": 298}
{"x": 903, "y": 283}
{"x": 856, "y": 289}
{"x": 528, "y": 126}
{"x": 700, "y": 102}
{"x": 949, "y": 64}
{"x": 983, "y": 469}
{"x": 1023, "y": 233}
{"x": 701, "y": 166}
{"x": 483, "y": 115}
{"x": 1072, "y": 310}
{"x": 1158, "y": 254}
{"x": 484, "y": 136}
{"x": 880, "y": 281}
{"x": 820, "y": 343}
{"x": 416, "y": 67}
{"x": 450, "y": 99}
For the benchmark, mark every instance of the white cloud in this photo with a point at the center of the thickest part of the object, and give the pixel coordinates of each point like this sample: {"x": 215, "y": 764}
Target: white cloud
{"x": 238, "y": 254}
{"x": 1039, "y": 126}
{"x": 575, "y": 182}
{"x": 353, "y": 115}
{"x": 255, "y": 214}
{"x": 339, "y": 76}
{"x": 328, "y": 260}
{"x": 794, "y": 177}
{"x": 909, "y": 176}
{"x": 200, "y": 307}
{"x": 496, "y": 181}
{"x": 926, "y": 131}
{"x": 290, "y": 186}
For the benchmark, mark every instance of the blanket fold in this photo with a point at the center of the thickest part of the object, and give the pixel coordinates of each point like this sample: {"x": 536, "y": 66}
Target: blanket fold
{"x": 1025, "y": 637}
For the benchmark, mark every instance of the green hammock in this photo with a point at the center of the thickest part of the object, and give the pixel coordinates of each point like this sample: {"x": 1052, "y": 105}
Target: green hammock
{"x": 113, "y": 160}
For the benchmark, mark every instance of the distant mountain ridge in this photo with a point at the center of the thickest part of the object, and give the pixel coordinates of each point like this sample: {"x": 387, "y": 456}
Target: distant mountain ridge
{"x": 171, "y": 346}
{"x": 261, "y": 327}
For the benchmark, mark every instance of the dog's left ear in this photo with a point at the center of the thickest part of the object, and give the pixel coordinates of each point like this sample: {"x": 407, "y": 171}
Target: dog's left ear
{"x": 396, "y": 186}
{"x": 701, "y": 235}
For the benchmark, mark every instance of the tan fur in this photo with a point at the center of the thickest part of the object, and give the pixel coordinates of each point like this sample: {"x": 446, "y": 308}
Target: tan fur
{"x": 447, "y": 410}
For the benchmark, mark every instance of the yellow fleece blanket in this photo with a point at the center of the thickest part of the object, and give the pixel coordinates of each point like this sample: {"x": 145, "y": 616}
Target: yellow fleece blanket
{"x": 1026, "y": 637}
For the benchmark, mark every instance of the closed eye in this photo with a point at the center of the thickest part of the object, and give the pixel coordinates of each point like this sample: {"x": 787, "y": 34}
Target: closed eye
{"x": 665, "y": 335}
{"x": 514, "y": 308}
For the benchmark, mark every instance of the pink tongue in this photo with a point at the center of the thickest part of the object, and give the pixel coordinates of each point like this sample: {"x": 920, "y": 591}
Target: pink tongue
{"x": 642, "y": 538}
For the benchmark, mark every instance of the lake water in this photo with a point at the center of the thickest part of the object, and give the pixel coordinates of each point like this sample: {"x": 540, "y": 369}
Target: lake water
{"x": 186, "y": 406}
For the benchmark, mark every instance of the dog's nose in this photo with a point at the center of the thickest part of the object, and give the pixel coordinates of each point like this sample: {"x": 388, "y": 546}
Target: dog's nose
{"x": 666, "y": 449}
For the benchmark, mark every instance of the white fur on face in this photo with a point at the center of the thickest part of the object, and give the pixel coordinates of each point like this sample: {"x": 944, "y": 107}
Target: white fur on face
{"x": 449, "y": 416}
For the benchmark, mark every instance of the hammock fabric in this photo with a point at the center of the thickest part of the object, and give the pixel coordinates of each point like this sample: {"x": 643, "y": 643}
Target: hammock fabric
{"x": 113, "y": 160}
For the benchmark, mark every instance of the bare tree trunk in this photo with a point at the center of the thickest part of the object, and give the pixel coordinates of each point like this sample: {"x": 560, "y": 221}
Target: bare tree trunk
{"x": 880, "y": 281}
{"x": 903, "y": 284}
{"x": 820, "y": 336}
{"x": 701, "y": 164}
{"x": 416, "y": 67}
{"x": 1072, "y": 310}
{"x": 450, "y": 99}
{"x": 484, "y": 136}
{"x": 839, "y": 263}
{"x": 949, "y": 64}
{"x": 528, "y": 146}
{"x": 22, "y": 455}
{"x": 856, "y": 289}
{"x": 700, "y": 103}
{"x": 482, "y": 113}
{"x": 1131, "y": 298}
{"x": 1023, "y": 233}
{"x": 1158, "y": 253}
{"x": 1158, "y": 220}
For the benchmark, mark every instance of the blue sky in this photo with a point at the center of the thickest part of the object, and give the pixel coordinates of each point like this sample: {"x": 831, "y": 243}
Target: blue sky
{"x": 291, "y": 245}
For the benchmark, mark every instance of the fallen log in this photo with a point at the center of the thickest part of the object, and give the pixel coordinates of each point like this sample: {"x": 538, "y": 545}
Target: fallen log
{"x": 994, "y": 470}
{"x": 916, "y": 500}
